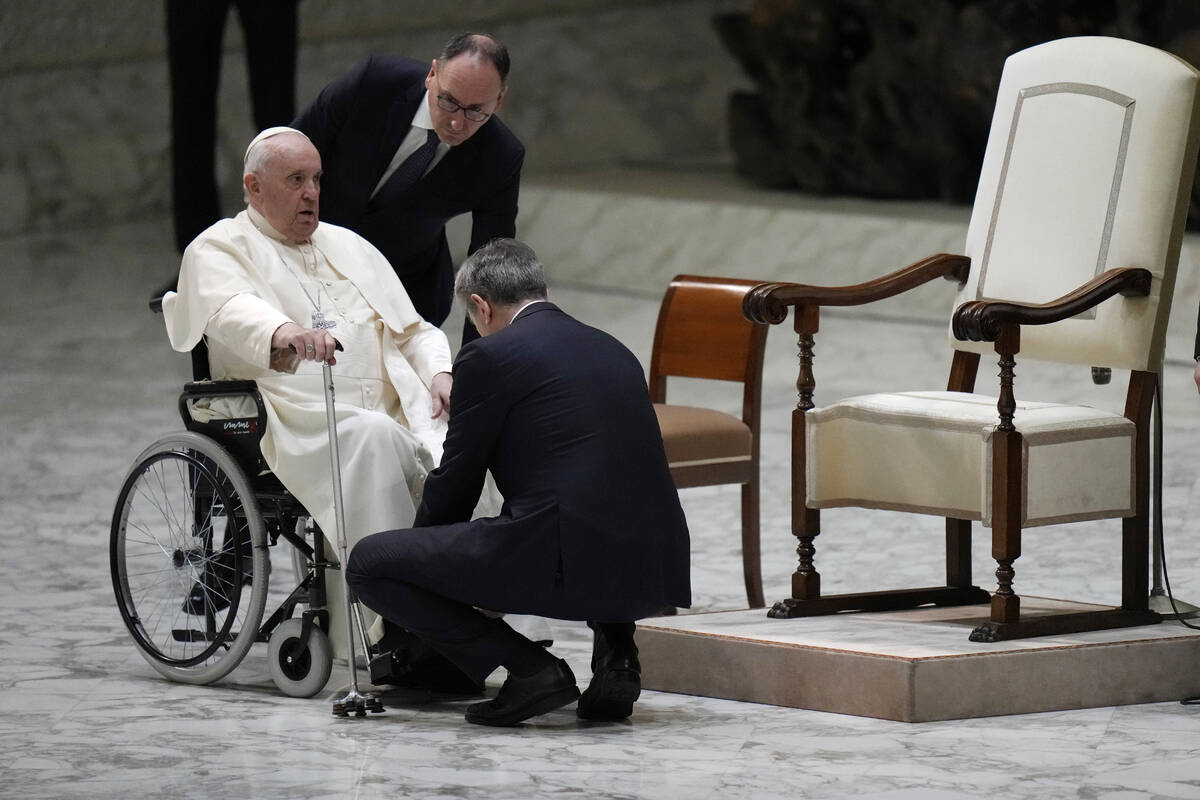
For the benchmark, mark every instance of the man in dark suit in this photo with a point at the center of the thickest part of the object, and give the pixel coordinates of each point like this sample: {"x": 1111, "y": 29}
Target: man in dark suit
{"x": 407, "y": 146}
{"x": 591, "y": 527}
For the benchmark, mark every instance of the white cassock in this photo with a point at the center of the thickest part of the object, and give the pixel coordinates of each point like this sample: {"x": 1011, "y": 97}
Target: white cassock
{"x": 239, "y": 281}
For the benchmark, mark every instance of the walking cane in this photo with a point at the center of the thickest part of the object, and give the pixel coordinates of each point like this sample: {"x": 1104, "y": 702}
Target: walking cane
{"x": 354, "y": 702}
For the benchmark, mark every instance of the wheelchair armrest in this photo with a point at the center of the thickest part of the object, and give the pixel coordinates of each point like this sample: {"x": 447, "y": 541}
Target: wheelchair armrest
{"x": 769, "y": 302}
{"x": 231, "y": 388}
{"x": 239, "y": 434}
{"x": 234, "y": 388}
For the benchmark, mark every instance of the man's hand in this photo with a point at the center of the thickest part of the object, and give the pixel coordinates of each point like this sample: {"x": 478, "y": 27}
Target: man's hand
{"x": 1196, "y": 375}
{"x": 439, "y": 390}
{"x": 310, "y": 344}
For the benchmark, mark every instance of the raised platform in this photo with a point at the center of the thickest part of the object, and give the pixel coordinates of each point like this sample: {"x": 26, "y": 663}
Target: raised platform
{"x": 916, "y": 665}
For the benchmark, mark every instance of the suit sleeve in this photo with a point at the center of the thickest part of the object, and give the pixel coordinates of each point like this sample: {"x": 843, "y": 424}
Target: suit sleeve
{"x": 323, "y": 120}
{"x": 477, "y": 412}
{"x": 495, "y": 215}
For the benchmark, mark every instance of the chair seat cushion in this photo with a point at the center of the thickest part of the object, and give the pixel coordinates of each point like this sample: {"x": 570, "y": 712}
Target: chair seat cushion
{"x": 701, "y": 435}
{"x": 930, "y": 452}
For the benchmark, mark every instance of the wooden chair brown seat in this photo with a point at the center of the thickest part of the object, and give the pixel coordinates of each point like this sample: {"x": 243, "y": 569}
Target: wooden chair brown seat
{"x": 702, "y": 333}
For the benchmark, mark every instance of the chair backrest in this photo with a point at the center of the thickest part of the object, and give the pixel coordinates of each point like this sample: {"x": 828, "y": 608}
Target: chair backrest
{"x": 1089, "y": 167}
{"x": 702, "y": 333}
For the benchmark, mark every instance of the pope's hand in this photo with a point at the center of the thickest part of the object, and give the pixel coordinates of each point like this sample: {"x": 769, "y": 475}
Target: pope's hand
{"x": 311, "y": 344}
{"x": 439, "y": 390}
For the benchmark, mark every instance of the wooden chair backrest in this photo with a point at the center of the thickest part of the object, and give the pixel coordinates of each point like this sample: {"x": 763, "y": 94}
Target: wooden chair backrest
{"x": 702, "y": 333}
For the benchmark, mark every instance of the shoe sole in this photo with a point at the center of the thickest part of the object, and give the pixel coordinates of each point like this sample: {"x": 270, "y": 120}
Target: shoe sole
{"x": 545, "y": 705}
{"x": 613, "y": 697}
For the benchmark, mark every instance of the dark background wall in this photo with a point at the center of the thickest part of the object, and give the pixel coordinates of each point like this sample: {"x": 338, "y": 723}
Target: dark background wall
{"x": 84, "y": 103}
{"x": 894, "y": 99}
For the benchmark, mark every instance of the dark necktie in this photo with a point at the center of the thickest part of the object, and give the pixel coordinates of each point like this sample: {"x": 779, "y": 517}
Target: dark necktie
{"x": 412, "y": 168}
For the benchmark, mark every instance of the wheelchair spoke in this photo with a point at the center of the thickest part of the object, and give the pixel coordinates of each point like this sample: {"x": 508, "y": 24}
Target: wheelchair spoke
{"x": 183, "y": 556}
{"x": 153, "y": 501}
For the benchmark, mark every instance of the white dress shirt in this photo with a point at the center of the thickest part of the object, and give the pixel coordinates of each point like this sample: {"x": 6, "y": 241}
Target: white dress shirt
{"x": 422, "y": 123}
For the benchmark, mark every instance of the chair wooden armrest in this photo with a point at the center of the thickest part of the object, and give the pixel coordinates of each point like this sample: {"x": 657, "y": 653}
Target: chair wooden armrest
{"x": 769, "y": 302}
{"x": 984, "y": 320}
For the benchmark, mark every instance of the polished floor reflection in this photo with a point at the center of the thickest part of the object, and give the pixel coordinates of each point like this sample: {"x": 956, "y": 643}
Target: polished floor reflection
{"x": 90, "y": 380}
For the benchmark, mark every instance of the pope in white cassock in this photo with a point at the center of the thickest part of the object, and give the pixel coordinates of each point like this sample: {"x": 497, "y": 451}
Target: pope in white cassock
{"x": 272, "y": 279}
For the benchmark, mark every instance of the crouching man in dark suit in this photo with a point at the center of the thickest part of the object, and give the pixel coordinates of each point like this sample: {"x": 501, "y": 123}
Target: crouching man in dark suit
{"x": 591, "y": 527}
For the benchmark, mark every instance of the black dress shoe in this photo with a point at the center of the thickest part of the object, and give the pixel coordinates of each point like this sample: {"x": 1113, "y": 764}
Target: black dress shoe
{"x": 522, "y": 698}
{"x": 430, "y": 673}
{"x": 616, "y": 675}
{"x": 404, "y": 660}
{"x": 612, "y": 692}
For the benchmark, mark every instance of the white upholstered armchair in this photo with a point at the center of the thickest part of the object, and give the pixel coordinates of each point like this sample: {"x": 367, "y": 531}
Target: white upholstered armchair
{"x": 1070, "y": 257}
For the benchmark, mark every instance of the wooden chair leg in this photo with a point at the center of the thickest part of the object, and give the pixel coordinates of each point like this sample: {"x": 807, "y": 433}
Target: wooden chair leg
{"x": 806, "y": 581}
{"x": 806, "y": 522}
{"x": 1135, "y": 530}
{"x": 751, "y": 555}
{"x": 958, "y": 552}
{"x": 1135, "y": 567}
{"x": 959, "y": 588}
{"x": 1006, "y": 622}
{"x": 1006, "y": 522}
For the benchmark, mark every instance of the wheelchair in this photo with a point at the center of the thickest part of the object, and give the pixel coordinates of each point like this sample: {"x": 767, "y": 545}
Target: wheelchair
{"x": 189, "y": 549}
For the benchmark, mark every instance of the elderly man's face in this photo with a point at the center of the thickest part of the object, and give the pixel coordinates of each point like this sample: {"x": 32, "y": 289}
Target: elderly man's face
{"x": 287, "y": 189}
{"x": 464, "y": 84}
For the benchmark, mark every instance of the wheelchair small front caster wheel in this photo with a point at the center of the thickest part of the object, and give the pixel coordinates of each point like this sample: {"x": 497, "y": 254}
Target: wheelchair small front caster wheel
{"x": 298, "y": 670}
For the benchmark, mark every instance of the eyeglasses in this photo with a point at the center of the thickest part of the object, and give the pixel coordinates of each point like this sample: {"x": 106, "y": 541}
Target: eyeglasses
{"x": 473, "y": 114}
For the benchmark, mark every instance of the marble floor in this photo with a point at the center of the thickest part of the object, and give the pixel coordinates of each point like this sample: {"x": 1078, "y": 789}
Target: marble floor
{"x": 90, "y": 380}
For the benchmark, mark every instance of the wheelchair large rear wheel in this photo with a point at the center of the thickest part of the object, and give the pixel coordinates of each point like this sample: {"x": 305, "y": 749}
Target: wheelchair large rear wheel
{"x": 189, "y": 558}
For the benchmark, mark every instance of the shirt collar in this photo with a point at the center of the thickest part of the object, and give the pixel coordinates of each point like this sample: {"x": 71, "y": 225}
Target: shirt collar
{"x": 423, "y": 118}
{"x": 522, "y": 308}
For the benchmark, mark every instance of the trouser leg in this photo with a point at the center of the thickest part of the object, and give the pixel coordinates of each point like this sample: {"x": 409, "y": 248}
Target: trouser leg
{"x": 194, "y": 33}
{"x": 475, "y": 643}
{"x": 270, "y": 28}
{"x": 611, "y": 638}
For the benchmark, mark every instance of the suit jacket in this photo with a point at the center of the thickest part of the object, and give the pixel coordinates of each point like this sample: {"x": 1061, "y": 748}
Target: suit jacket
{"x": 591, "y": 526}
{"x": 356, "y": 123}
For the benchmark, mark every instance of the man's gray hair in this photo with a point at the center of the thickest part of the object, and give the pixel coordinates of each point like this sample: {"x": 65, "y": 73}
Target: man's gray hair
{"x": 503, "y": 272}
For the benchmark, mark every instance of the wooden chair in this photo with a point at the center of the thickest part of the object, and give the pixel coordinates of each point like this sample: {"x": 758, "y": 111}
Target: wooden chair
{"x": 1071, "y": 256}
{"x": 702, "y": 333}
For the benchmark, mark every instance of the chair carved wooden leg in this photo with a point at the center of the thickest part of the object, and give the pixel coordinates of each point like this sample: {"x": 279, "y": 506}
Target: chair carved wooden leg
{"x": 806, "y": 526}
{"x": 1006, "y": 622}
{"x": 806, "y": 522}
